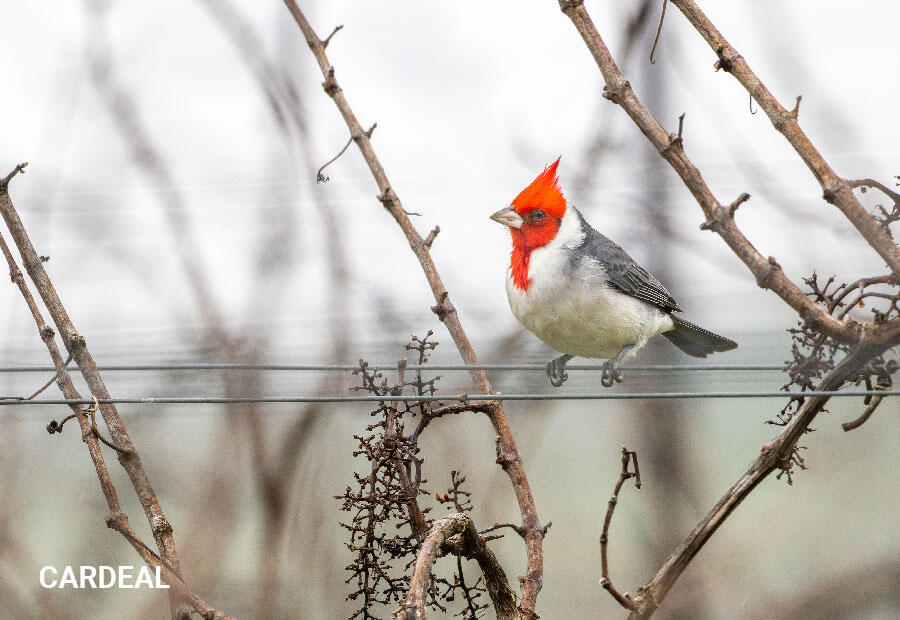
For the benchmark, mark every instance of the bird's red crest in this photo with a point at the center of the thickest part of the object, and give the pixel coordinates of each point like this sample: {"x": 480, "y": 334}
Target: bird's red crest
{"x": 543, "y": 193}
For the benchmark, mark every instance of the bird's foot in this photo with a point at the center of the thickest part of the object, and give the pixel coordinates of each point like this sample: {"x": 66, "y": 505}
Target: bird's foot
{"x": 611, "y": 374}
{"x": 556, "y": 370}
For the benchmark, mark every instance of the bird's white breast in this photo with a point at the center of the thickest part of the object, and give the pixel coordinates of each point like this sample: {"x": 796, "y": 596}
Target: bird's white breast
{"x": 570, "y": 306}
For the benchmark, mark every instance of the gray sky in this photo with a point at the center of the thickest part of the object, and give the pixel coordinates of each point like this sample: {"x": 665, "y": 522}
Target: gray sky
{"x": 471, "y": 102}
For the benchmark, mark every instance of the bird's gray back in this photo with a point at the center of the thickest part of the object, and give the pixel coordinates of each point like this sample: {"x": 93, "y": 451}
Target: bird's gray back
{"x": 622, "y": 271}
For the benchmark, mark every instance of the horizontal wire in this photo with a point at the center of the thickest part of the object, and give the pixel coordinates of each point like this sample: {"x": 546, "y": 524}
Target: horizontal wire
{"x": 346, "y": 367}
{"x": 447, "y": 398}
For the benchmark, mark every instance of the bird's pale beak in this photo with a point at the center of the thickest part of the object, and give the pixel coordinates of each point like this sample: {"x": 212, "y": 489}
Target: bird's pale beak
{"x": 508, "y": 217}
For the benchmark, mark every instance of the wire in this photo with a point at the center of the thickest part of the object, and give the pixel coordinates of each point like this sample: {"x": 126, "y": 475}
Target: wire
{"x": 447, "y": 398}
{"x": 349, "y": 367}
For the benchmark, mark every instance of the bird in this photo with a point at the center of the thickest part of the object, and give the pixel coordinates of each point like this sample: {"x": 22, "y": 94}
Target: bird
{"x": 581, "y": 293}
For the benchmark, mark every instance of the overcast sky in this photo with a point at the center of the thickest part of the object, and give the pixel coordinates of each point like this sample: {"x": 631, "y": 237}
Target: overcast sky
{"x": 471, "y": 101}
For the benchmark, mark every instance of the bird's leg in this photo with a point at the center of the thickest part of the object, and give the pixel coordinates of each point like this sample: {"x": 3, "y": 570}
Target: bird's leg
{"x": 611, "y": 372}
{"x": 556, "y": 370}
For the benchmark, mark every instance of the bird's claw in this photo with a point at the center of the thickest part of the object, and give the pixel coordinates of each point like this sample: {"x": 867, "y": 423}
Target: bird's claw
{"x": 611, "y": 374}
{"x": 557, "y": 373}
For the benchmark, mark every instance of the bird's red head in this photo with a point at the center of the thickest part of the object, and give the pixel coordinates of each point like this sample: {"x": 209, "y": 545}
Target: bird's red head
{"x": 542, "y": 195}
{"x": 541, "y": 206}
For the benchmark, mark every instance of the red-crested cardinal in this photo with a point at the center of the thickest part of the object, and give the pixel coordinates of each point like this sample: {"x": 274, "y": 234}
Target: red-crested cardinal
{"x": 581, "y": 293}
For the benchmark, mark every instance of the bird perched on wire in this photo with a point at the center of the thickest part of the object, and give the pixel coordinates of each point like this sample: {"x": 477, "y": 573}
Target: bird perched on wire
{"x": 581, "y": 293}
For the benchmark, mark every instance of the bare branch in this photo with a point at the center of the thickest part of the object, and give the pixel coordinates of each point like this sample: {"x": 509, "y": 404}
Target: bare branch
{"x": 884, "y": 371}
{"x": 508, "y": 453}
{"x": 327, "y": 39}
{"x": 866, "y": 341}
{"x": 723, "y": 215}
{"x": 516, "y": 528}
{"x": 431, "y": 236}
{"x": 849, "y": 426}
{"x": 838, "y": 298}
{"x": 774, "y": 456}
{"x": 767, "y": 271}
{"x": 91, "y": 411}
{"x": 480, "y": 406}
{"x": 4, "y": 182}
{"x": 119, "y": 522}
{"x": 625, "y": 599}
{"x": 836, "y": 190}
{"x": 456, "y": 534}
{"x": 662, "y": 17}
{"x": 49, "y": 382}
{"x": 68, "y": 388}
{"x": 867, "y": 183}
{"x": 77, "y": 349}
{"x": 416, "y": 518}
{"x": 320, "y": 177}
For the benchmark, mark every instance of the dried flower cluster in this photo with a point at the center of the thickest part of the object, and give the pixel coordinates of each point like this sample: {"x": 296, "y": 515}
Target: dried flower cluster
{"x": 815, "y": 354}
{"x": 387, "y": 523}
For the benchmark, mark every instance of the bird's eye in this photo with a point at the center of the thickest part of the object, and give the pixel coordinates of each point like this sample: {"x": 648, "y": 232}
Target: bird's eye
{"x": 537, "y": 215}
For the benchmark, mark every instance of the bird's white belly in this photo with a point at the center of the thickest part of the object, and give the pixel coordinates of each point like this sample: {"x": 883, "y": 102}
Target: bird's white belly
{"x": 585, "y": 317}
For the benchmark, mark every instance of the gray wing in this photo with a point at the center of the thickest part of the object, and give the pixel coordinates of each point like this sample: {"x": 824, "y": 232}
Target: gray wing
{"x": 622, "y": 271}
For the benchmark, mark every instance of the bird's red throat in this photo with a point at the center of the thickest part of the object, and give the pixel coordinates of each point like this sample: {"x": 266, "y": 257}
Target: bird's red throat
{"x": 525, "y": 241}
{"x": 518, "y": 261}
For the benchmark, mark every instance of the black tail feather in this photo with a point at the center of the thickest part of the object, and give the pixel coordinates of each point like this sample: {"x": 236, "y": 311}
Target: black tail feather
{"x": 696, "y": 341}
